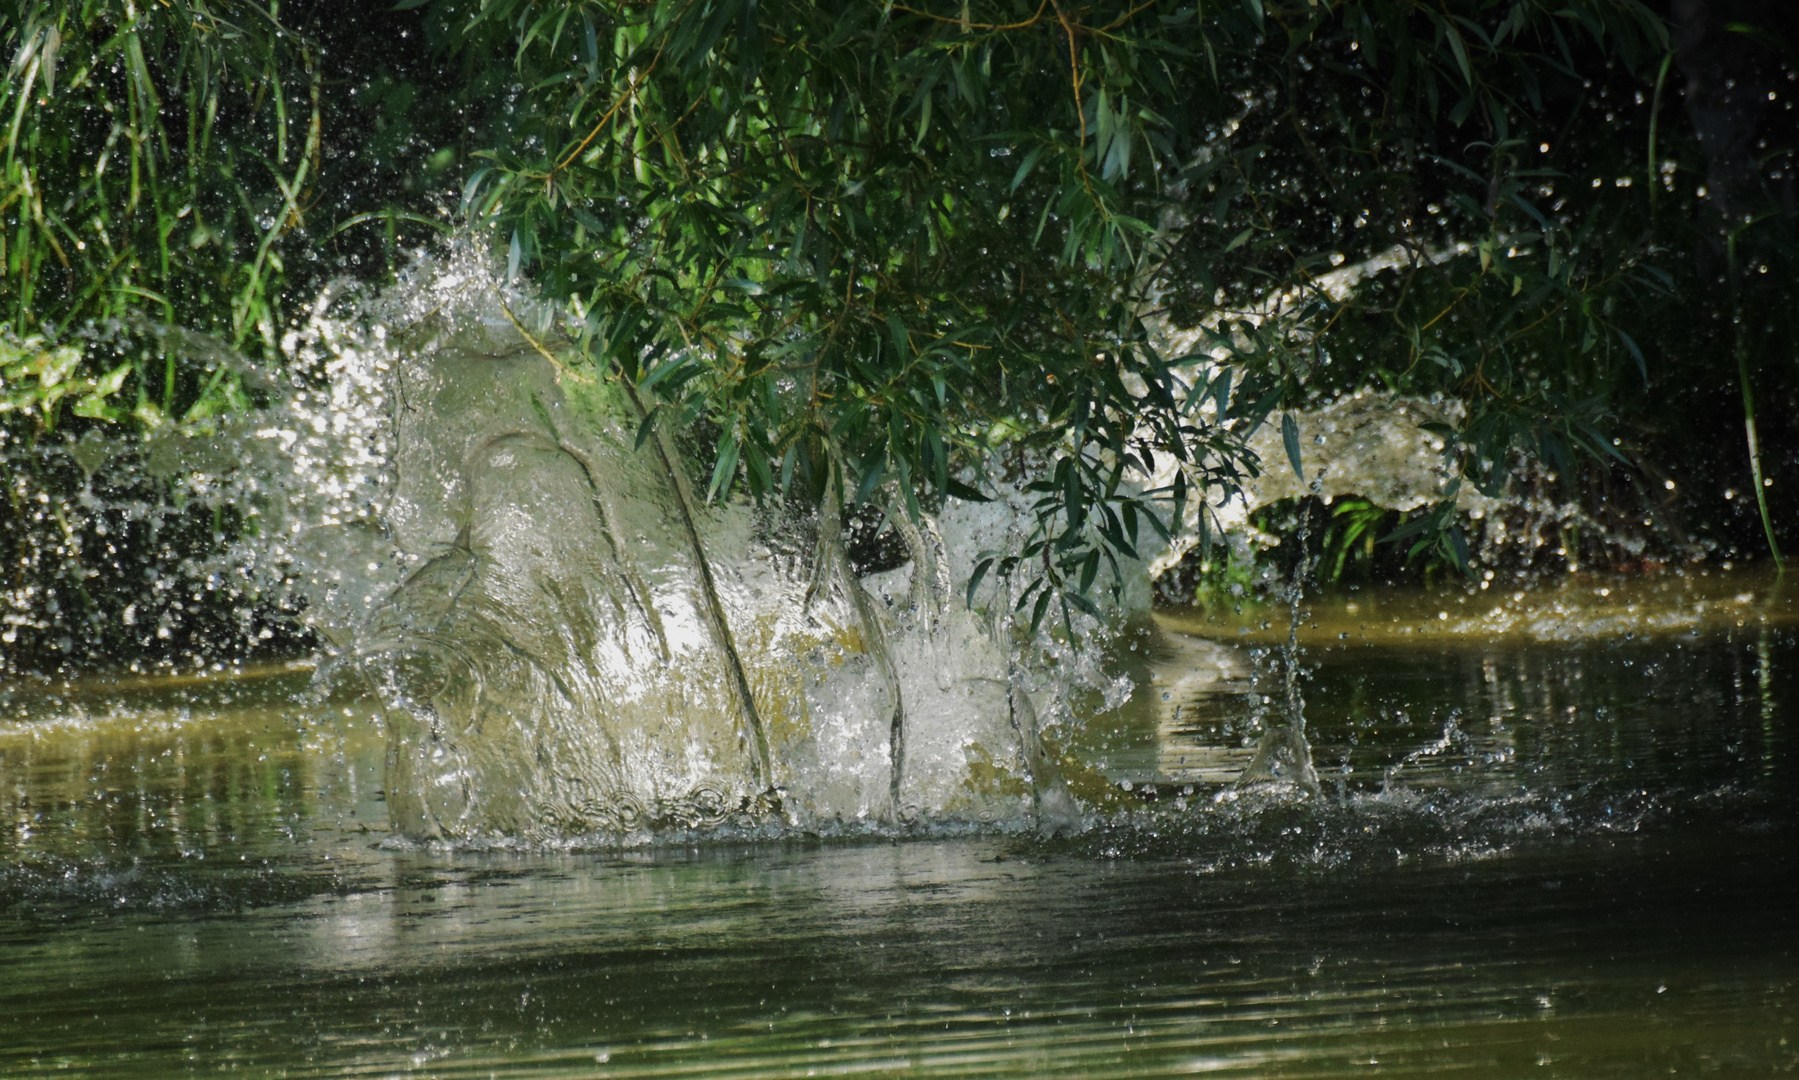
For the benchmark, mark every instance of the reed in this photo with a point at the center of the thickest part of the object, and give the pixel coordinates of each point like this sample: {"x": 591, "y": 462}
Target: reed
{"x": 156, "y": 158}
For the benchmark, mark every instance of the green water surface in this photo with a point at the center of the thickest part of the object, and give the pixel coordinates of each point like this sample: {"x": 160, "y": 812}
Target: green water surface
{"x": 1535, "y": 856}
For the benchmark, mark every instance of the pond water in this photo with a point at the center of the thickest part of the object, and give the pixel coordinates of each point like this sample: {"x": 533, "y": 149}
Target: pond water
{"x": 1554, "y": 838}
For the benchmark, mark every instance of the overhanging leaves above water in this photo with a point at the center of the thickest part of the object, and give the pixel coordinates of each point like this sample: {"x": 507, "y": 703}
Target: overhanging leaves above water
{"x": 920, "y": 247}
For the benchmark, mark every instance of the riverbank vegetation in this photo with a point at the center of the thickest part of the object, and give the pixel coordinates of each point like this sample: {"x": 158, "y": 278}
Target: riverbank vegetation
{"x": 893, "y": 254}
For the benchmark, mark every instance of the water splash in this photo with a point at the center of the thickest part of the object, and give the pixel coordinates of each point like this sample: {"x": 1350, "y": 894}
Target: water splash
{"x": 1283, "y": 757}
{"x": 569, "y": 644}
{"x": 569, "y": 647}
{"x": 1377, "y": 446}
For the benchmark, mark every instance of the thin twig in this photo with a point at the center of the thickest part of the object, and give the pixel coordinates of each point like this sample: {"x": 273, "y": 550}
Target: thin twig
{"x": 1074, "y": 75}
{"x": 629, "y": 92}
{"x": 1033, "y": 20}
{"x": 561, "y": 368}
{"x": 1127, "y": 16}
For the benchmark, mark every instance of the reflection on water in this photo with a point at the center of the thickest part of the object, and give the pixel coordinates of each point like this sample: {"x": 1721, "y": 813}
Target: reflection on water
{"x": 1439, "y": 687}
{"x": 1534, "y": 855}
{"x": 1197, "y": 690}
{"x": 176, "y": 793}
{"x": 933, "y": 958}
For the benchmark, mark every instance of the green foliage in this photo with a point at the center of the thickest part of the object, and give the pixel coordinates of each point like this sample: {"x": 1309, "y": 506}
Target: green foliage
{"x": 182, "y": 163}
{"x": 915, "y": 249}
{"x": 155, "y": 158}
{"x": 912, "y": 250}
{"x": 1349, "y": 541}
{"x": 36, "y": 378}
{"x": 169, "y": 176}
{"x": 874, "y": 247}
{"x": 1411, "y": 146}
{"x": 1227, "y": 581}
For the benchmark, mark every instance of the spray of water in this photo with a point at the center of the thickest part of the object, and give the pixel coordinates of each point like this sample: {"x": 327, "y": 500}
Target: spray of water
{"x": 571, "y": 646}
{"x": 1283, "y": 757}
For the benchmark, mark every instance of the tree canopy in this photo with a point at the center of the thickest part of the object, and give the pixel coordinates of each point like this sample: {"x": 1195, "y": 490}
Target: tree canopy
{"x": 908, "y": 250}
